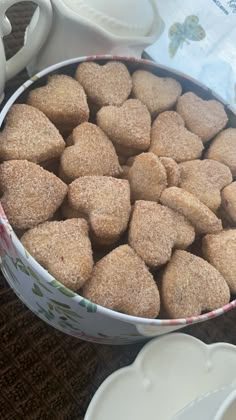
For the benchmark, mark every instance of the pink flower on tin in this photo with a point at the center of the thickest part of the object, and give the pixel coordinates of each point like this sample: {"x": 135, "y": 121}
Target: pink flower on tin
{"x": 6, "y": 243}
{"x": 2, "y": 214}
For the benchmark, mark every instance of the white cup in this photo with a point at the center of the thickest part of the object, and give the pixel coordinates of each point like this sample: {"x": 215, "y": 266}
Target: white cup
{"x": 10, "y": 68}
{"x": 91, "y": 27}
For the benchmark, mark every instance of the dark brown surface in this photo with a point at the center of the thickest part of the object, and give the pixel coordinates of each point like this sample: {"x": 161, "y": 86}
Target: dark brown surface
{"x": 45, "y": 374}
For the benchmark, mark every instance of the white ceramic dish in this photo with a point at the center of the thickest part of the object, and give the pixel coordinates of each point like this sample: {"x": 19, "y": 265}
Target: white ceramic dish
{"x": 227, "y": 410}
{"x": 44, "y": 295}
{"x": 167, "y": 374}
{"x": 209, "y": 406}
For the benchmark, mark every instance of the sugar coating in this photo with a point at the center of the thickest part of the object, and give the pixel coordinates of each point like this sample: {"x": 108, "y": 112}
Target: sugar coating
{"x": 31, "y": 195}
{"x": 109, "y": 84}
{"x": 205, "y": 179}
{"x": 92, "y": 154}
{"x": 147, "y": 178}
{"x": 190, "y": 285}
{"x": 198, "y": 214}
{"x": 204, "y": 118}
{"x": 220, "y": 251}
{"x": 169, "y": 138}
{"x": 29, "y": 134}
{"x": 228, "y": 195}
{"x": 223, "y": 149}
{"x": 64, "y": 249}
{"x": 172, "y": 171}
{"x": 152, "y": 232}
{"x": 63, "y": 100}
{"x": 121, "y": 281}
{"x": 157, "y": 93}
{"x": 185, "y": 232}
{"x": 128, "y": 125}
{"x": 106, "y": 202}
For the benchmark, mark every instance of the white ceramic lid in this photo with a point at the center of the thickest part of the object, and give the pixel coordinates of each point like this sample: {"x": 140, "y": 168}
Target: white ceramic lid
{"x": 121, "y": 17}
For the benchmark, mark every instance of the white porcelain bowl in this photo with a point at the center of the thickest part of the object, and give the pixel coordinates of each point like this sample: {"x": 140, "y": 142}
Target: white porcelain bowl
{"x": 169, "y": 373}
{"x": 49, "y": 299}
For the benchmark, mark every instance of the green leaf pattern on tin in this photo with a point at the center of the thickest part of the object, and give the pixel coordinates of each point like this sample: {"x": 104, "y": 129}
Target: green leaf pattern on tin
{"x": 38, "y": 285}
{"x": 91, "y": 307}
{"x": 65, "y": 315}
{"x": 62, "y": 289}
{"x": 36, "y": 290}
{"x": 48, "y": 314}
{"x": 9, "y": 273}
{"x": 52, "y": 310}
{"x": 20, "y": 266}
{"x": 180, "y": 33}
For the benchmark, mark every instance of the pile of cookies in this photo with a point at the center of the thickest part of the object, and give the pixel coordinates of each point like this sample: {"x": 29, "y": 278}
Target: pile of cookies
{"x": 121, "y": 186}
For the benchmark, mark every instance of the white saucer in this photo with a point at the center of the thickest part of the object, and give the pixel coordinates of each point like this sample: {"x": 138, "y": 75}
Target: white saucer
{"x": 168, "y": 373}
{"x": 207, "y": 406}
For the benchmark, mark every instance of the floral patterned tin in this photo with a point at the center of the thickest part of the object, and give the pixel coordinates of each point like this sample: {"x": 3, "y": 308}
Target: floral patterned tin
{"x": 48, "y": 298}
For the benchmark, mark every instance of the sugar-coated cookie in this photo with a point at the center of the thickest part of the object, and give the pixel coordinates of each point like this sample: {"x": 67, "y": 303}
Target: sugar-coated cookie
{"x": 92, "y": 153}
{"x": 204, "y": 118}
{"x": 106, "y": 203}
{"x": 128, "y": 125}
{"x": 187, "y": 204}
{"x": 31, "y": 195}
{"x": 191, "y": 285}
{"x": 64, "y": 249}
{"x": 29, "y": 134}
{"x": 170, "y": 138}
{"x": 63, "y": 100}
{"x": 220, "y": 251}
{"x": 121, "y": 281}
{"x": 157, "y": 93}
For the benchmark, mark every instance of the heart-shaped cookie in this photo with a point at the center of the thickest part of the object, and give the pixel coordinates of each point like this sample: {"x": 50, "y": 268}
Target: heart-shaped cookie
{"x": 157, "y": 93}
{"x": 106, "y": 203}
{"x": 63, "y": 100}
{"x": 220, "y": 251}
{"x": 205, "y": 179}
{"x": 172, "y": 171}
{"x": 92, "y": 154}
{"x": 109, "y": 84}
{"x": 228, "y": 195}
{"x": 169, "y": 138}
{"x": 147, "y": 178}
{"x": 187, "y": 204}
{"x": 190, "y": 285}
{"x": 152, "y": 232}
{"x": 204, "y": 118}
{"x": 28, "y": 134}
{"x": 223, "y": 149}
{"x": 185, "y": 233}
{"x": 128, "y": 125}
{"x": 121, "y": 281}
{"x": 31, "y": 195}
{"x": 64, "y": 249}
